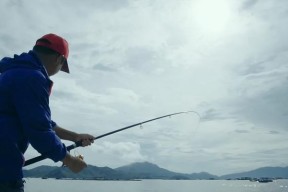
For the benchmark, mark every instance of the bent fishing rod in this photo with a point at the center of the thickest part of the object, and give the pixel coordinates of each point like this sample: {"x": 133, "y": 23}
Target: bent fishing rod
{"x": 79, "y": 143}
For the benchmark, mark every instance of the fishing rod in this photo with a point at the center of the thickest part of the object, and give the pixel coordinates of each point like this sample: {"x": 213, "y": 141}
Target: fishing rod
{"x": 79, "y": 143}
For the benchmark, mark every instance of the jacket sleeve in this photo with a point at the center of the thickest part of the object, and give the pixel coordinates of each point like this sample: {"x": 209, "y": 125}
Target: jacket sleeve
{"x": 31, "y": 98}
{"x": 53, "y": 124}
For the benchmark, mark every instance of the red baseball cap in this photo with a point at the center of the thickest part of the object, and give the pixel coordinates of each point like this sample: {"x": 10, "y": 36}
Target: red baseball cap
{"x": 58, "y": 44}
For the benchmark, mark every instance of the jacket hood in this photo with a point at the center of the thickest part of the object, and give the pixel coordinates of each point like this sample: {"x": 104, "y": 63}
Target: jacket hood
{"x": 25, "y": 60}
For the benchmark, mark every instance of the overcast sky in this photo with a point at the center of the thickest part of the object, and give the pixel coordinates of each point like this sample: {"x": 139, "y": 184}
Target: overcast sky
{"x": 132, "y": 60}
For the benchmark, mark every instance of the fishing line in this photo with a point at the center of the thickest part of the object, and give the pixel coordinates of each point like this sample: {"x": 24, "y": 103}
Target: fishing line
{"x": 79, "y": 143}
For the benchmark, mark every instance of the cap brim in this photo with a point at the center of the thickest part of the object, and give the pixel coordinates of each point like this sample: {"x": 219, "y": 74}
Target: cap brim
{"x": 65, "y": 67}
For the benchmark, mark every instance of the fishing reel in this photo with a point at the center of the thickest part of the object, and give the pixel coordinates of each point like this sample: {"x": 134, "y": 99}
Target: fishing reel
{"x": 77, "y": 155}
{"x": 80, "y": 157}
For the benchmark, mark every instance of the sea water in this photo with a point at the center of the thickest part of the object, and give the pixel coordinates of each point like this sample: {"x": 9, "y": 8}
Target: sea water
{"x": 54, "y": 185}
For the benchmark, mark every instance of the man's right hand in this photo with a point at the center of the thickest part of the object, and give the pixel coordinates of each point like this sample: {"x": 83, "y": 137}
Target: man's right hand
{"x": 75, "y": 164}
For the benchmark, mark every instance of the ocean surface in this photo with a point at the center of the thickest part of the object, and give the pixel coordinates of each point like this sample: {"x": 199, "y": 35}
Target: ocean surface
{"x": 53, "y": 185}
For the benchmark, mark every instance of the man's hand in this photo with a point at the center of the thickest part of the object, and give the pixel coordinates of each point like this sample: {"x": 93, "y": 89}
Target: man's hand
{"x": 73, "y": 163}
{"x": 85, "y": 138}
{"x": 72, "y": 136}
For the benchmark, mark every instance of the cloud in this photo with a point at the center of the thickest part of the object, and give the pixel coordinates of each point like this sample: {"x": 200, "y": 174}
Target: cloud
{"x": 126, "y": 152}
{"x": 135, "y": 60}
{"x": 267, "y": 109}
{"x": 248, "y": 4}
{"x": 102, "y": 67}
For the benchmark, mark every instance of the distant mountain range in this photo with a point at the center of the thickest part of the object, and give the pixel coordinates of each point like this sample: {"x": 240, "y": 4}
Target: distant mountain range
{"x": 269, "y": 172}
{"x": 145, "y": 170}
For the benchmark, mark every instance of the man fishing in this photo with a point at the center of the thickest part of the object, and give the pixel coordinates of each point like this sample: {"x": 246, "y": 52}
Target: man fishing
{"x": 25, "y": 115}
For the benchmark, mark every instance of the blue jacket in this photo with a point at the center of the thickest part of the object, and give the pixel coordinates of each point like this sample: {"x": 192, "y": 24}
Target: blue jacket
{"x": 25, "y": 114}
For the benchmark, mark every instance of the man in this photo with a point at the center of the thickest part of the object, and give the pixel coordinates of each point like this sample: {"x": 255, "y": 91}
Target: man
{"x": 25, "y": 116}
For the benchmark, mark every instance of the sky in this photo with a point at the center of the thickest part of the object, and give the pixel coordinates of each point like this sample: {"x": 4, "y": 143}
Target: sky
{"x": 133, "y": 60}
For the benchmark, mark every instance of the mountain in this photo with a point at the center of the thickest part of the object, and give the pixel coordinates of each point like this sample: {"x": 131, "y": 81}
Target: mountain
{"x": 271, "y": 172}
{"x": 91, "y": 172}
{"x": 40, "y": 171}
{"x": 146, "y": 170}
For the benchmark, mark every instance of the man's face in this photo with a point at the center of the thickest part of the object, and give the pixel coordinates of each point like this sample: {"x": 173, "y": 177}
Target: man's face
{"x": 56, "y": 65}
{"x": 61, "y": 61}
